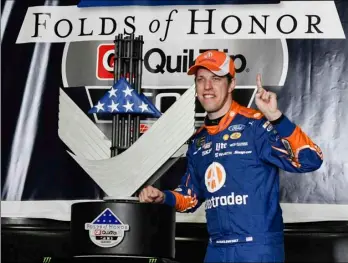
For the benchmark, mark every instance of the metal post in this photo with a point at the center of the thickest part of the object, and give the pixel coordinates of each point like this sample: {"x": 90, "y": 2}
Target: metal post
{"x": 138, "y": 80}
{"x": 135, "y": 81}
{"x": 131, "y": 81}
{"x": 115, "y": 134}
{"x": 126, "y": 127}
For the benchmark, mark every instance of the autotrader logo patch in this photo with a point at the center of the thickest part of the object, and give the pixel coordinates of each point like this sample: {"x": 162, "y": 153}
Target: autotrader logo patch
{"x": 215, "y": 177}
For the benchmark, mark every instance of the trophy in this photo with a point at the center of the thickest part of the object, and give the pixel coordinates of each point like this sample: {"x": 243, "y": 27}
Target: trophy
{"x": 122, "y": 228}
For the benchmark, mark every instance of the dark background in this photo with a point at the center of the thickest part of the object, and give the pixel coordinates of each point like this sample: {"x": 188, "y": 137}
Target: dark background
{"x": 25, "y": 240}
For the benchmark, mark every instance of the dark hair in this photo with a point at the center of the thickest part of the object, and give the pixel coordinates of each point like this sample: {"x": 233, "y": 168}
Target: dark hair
{"x": 229, "y": 78}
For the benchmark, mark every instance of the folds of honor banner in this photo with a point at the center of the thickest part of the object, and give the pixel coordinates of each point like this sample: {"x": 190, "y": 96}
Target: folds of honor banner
{"x": 57, "y": 79}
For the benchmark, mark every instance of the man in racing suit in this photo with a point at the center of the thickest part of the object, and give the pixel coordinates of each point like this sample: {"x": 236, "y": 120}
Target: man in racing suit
{"x": 233, "y": 163}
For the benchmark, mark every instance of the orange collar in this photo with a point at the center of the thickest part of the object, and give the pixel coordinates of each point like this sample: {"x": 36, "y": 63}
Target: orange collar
{"x": 224, "y": 122}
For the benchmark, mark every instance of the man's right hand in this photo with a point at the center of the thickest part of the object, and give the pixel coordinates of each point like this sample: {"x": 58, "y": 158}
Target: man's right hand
{"x": 151, "y": 194}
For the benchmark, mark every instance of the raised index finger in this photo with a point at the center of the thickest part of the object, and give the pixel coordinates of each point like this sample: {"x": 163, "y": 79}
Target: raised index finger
{"x": 258, "y": 83}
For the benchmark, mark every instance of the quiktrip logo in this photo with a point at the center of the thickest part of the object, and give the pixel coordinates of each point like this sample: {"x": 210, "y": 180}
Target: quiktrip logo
{"x": 165, "y": 65}
{"x": 106, "y": 230}
{"x": 105, "y": 61}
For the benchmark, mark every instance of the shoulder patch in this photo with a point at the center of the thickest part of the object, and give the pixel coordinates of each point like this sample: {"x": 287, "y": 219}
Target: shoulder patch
{"x": 195, "y": 135}
{"x": 250, "y": 113}
{"x": 198, "y": 130}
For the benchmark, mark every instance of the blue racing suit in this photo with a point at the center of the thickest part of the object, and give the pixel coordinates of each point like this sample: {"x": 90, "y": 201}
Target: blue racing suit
{"x": 233, "y": 168}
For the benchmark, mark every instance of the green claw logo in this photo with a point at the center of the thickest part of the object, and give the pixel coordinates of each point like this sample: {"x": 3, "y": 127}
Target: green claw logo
{"x": 46, "y": 260}
{"x": 152, "y": 260}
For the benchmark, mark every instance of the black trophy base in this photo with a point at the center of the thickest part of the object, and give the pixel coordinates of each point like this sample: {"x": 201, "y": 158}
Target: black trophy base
{"x": 122, "y": 229}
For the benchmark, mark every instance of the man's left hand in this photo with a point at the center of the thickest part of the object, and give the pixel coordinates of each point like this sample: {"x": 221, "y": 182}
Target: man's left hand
{"x": 266, "y": 101}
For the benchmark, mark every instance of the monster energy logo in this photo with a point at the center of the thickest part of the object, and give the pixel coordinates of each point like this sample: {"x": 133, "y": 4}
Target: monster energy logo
{"x": 46, "y": 260}
{"x": 152, "y": 260}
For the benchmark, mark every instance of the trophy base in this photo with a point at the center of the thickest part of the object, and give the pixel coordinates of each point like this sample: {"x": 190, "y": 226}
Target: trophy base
{"x": 122, "y": 227}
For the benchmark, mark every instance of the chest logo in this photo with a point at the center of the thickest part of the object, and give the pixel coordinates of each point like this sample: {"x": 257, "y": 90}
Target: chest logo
{"x": 235, "y": 135}
{"x": 225, "y": 137}
{"x": 237, "y": 127}
{"x": 215, "y": 177}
